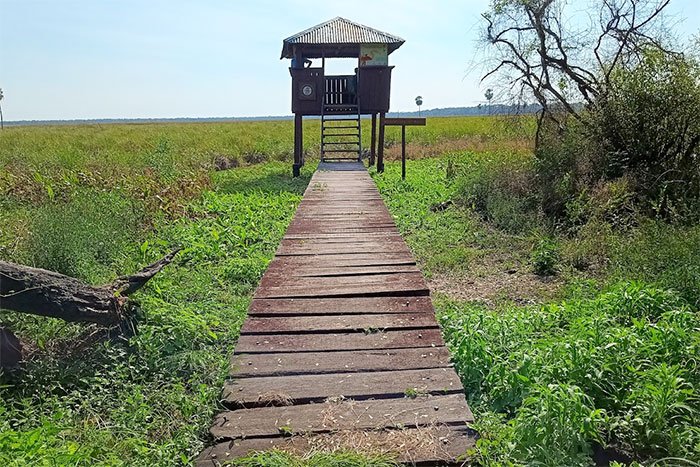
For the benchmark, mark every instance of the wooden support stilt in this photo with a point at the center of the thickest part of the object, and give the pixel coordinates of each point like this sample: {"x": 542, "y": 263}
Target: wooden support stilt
{"x": 403, "y": 152}
{"x": 298, "y": 145}
{"x": 380, "y": 149}
{"x": 373, "y": 149}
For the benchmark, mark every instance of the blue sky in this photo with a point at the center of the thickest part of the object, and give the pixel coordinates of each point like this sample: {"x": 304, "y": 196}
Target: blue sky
{"x": 77, "y": 59}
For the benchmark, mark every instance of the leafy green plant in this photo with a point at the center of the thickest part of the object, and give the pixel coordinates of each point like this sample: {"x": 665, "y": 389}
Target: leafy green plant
{"x": 556, "y": 425}
{"x": 545, "y": 257}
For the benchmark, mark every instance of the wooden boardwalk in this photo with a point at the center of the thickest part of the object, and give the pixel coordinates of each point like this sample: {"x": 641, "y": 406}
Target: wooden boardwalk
{"x": 341, "y": 348}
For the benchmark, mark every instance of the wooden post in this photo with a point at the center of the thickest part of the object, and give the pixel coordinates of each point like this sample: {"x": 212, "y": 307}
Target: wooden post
{"x": 403, "y": 152}
{"x": 298, "y": 145}
{"x": 373, "y": 149}
{"x": 403, "y": 123}
{"x": 380, "y": 149}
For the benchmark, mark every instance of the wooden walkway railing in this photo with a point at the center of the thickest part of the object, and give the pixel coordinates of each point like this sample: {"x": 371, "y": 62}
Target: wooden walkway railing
{"x": 341, "y": 348}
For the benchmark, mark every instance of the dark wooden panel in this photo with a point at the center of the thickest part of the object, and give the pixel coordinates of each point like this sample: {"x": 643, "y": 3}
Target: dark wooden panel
{"x": 339, "y": 341}
{"x": 338, "y": 323}
{"x": 344, "y": 415}
{"x": 247, "y": 365}
{"x": 314, "y": 306}
{"x": 438, "y": 445}
{"x": 303, "y": 389}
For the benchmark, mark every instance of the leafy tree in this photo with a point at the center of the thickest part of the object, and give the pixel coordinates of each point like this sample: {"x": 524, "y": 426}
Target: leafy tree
{"x": 616, "y": 99}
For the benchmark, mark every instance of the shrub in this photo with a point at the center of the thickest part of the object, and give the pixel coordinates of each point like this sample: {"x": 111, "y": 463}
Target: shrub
{"x": 556, "y": 425}
{"x": 661, "y": 253}
{"x": 648, "y": 124}
{"x": 644, "y": 127}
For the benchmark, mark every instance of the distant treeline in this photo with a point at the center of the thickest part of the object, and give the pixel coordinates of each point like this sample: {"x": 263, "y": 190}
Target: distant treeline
{"x": 484, "y": 109}
{"x": 494, "y": 109}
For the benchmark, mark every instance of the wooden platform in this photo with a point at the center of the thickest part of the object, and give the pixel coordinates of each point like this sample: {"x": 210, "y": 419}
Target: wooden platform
{"x": 341, "y": 348}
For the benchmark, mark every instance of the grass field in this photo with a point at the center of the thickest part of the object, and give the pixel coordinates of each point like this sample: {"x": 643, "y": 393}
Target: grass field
{"x": 572, "y": 345}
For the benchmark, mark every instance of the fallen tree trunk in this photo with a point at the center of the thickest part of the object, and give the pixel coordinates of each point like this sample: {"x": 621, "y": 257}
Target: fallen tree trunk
{"x": 45, "y": 293}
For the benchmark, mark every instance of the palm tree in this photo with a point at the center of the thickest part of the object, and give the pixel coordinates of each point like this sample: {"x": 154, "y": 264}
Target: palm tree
{"x": 2, "y": 124}
{"x": 489, "y": 95}
{"x": 419, "y": 102}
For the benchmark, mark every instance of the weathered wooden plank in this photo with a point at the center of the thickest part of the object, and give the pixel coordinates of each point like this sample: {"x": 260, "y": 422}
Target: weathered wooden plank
{"x": 247, "y": 365}
{"x": 304, "y": 389}
{"x": 327, "y": 306}
{"x": 404, "y": 121}
{"x": 339, "y": 341}
{"x": 426, "y": 446}
{"x": 325, "y": 249}
{"x": 343, "y": 415}
{"x": 348, "y": 272}
{"x": 367, "y": 244}
{"x": 345, "y": 289}
{"x": 338, "y": 323}
{"x": 342, "y": 260}
{"x": 280, "y": 285}
{"x": 349, "y": 236}
{"x": 341, "y": 240}
{"x": 341, "y": 228}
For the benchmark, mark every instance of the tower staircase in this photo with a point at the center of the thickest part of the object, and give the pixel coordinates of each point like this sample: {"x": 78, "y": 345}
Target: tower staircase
{"x": 341, "y": 129}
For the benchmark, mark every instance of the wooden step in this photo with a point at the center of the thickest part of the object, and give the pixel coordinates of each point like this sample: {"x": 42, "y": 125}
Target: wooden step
{"x": 448, "y": 410}
{"x": 436, "y": 446}
{"x": 349, "y": 361}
